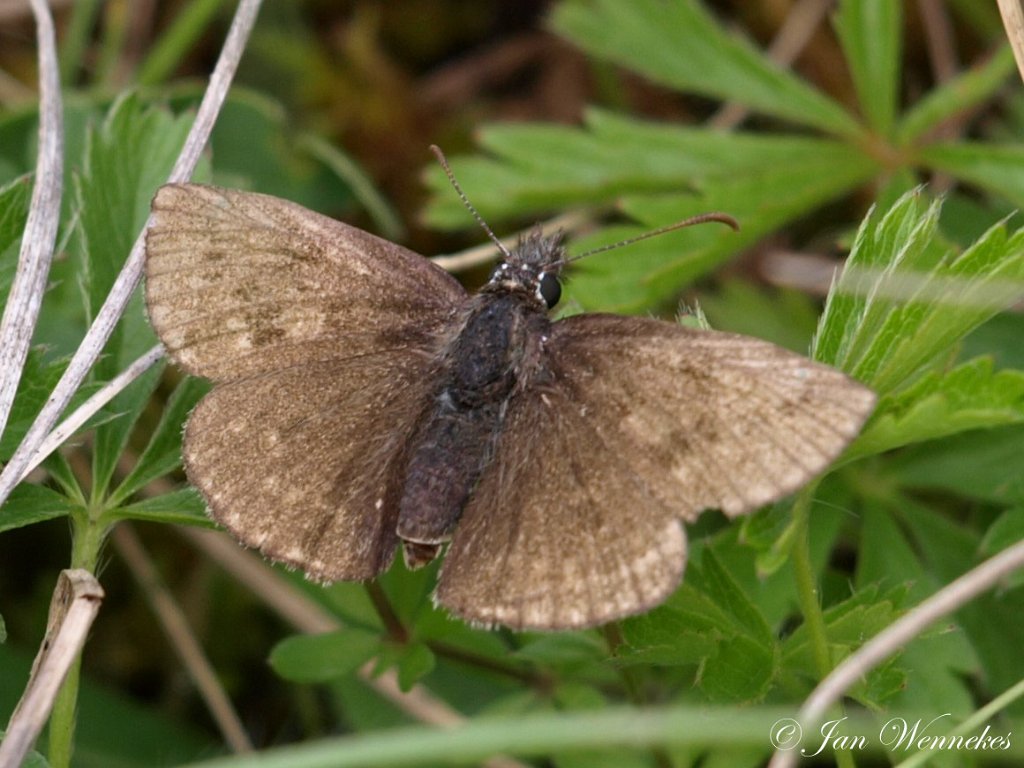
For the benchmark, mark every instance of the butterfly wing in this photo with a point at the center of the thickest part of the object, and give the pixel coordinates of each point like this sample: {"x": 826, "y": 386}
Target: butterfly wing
{"x": 307, "y": 463}
{"x": 239, "y": 283}
{"x": 628, "y": 427}
{"x": 320, "y": 335}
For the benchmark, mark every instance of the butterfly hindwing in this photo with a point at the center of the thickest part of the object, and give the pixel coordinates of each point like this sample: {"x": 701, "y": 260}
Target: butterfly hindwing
{"x": 307, "y": 464}
{"x": 629, "y": 426}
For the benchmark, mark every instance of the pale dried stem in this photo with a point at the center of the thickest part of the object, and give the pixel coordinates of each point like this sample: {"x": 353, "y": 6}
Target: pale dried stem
{"x": 890, "y": 640}
{"x": 176, "y": 627}
{"x": 1013, "y": 22}
{"x": 106, "y": 319}
{"x": 76, "y": 601}
{"x": 29, "y": 285}
{"x": 77, "y": 418}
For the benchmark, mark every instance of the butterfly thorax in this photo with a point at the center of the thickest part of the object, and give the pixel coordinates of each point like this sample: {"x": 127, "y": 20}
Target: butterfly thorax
{"x": 483, "y": 366}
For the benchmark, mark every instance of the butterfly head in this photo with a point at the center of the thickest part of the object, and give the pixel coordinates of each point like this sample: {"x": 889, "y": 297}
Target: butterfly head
{"x": 532, "y": 268}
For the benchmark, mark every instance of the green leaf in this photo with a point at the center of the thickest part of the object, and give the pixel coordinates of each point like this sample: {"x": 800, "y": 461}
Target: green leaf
{"x": 318, "y": 658}
{"x": 853, "y": 315}
{"x": 985, "y": 464}
{"x": 126, "y": 159}
{"x": 905, "y": 296}
{"x": 62, "y": 474}
{"x": 162, "y": 455}
{"x": 1007, "y": 530}
{"x": 30, "y": 504}
{"x": 679, "y": 44}
{"x": 709, "y": 621}
{"x": 970, "y": 396}
{"x": 683, "y": 630}
{"x": 38, "y": 378}
{"x": 580, "y": 697}
{"x": 724, "y": 591}
{"x": 182, "y": 507}
{"x": 869, "y": 31}
{"x": 956, "y": 96}
{"x": 848, "y": 625}
{"x": 999, "y": 339}
{"x": 536, "y": 167}
{"x": 14, "y": 202}
{"x": 112, "y": 437}
{"x": 951, "y": 549}
{"x": 994, "y": 168}
{"x": 566, "y": 651}
{"x": 415, "y": 661}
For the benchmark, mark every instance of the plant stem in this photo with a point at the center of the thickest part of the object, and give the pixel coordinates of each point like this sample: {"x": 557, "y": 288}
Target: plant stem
{"x": 382, "y": 604}
{"x": 810, "y": 602}
{"x": 613, "y": 637}
{"x": 87, "y": 539}
{"x": 806, "y": 583}
{"x": 62, "y": 719}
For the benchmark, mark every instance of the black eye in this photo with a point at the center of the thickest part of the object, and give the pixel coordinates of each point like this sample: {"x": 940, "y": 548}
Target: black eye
{"x": 549, "y": 289}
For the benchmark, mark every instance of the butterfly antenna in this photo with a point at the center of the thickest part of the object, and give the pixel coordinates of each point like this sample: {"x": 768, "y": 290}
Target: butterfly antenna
{"x": 465, "y": 200}
{"x": 721, "y": 218}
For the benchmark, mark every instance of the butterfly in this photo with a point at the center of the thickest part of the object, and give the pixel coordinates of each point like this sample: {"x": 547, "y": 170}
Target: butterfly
{"x": 364, "y": 400}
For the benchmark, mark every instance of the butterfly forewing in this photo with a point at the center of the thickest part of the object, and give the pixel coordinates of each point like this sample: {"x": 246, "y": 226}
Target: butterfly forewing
{"x": 630, "y": 425}
{"x": 238, "y": 283}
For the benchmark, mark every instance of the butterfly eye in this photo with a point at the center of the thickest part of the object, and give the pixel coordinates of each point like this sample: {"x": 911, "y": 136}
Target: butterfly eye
{"x": 549, "y": 289}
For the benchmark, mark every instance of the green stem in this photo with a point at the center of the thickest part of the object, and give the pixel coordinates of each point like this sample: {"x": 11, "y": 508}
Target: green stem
{"x": 62, "y": 719}
{"x": 87, "y": 539}
{"x": 613, "y": 637}
{"x": 807, "y": 584}
{"x": 810, "y": 600}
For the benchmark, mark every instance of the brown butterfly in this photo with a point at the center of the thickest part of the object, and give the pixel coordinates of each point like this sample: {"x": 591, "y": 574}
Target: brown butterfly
{"x": 364, "y": 399}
